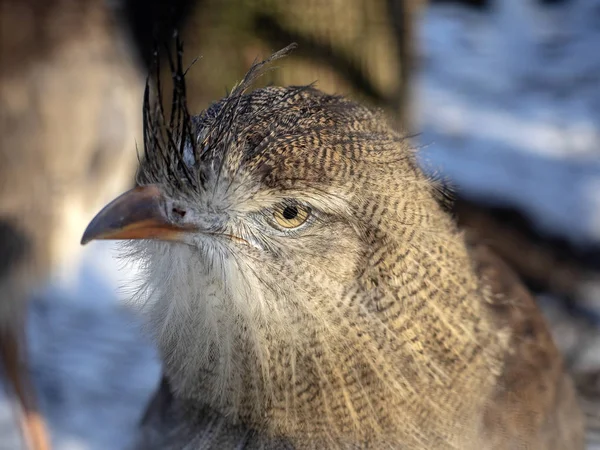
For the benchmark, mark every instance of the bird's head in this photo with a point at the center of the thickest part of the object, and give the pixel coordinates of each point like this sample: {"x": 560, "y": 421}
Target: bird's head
{"x": 265, "y": 219}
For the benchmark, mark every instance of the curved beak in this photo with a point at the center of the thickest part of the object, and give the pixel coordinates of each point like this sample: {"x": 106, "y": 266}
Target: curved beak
{"x": 137, "y": 214}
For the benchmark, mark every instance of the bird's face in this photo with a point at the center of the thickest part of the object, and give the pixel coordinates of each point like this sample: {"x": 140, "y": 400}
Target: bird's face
{"x": 272, "y": 199}
{"x": 262, "y": 217}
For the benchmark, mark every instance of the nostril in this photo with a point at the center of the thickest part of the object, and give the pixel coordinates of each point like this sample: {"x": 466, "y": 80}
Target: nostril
{"x": 179, "y": 212}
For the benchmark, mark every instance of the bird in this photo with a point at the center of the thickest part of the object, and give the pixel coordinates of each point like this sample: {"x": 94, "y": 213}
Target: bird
{"x": 69, "y": 102}
{"x": 307, "y": 288}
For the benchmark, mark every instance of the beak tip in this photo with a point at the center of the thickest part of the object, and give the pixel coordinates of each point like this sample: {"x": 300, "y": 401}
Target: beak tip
{"x": 136, "y": 214}
{"x": 91, "y": 232}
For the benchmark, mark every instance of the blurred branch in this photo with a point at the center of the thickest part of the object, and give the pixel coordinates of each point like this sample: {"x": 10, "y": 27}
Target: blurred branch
{"x": 401, "y": 18}
{"x": 271, "y": 30}
{"x": 478, "y": 4}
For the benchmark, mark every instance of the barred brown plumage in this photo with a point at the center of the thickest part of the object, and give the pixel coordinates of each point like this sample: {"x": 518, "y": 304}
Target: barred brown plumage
{"x": 374, "y": 323}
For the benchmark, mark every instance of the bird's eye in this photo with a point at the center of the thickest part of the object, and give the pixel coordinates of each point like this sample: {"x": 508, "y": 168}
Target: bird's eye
{"x": 291, "y": 216}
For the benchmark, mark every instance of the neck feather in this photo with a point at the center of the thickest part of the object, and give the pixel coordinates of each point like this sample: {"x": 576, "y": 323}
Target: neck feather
{"x": 409, "y": 346}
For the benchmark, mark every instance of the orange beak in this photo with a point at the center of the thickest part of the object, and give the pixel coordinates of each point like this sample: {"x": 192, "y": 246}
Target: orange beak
{"x": 137, "y": 214}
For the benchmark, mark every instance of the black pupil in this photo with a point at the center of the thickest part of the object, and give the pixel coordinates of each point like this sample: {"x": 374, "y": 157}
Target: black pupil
{"x": 289, "y": 212}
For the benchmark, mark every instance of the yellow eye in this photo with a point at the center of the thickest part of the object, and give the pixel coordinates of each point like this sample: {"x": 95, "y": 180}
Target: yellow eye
{"x": 291, "y": 216}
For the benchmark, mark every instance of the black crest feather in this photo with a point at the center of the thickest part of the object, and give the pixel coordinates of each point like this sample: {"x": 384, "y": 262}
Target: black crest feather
{"x": 167, "y": 135}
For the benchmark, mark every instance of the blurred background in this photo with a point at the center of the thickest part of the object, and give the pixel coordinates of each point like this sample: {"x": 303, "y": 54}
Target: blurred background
{"x": 502, "y": 97}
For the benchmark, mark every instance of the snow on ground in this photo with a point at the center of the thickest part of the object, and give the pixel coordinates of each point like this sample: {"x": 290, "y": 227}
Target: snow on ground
{"x": 509, "y": 102}
{"x": 92, "y": 363}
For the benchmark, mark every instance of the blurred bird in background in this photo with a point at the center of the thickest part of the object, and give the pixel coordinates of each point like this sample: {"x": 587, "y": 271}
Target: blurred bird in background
{"x": 69, "y": 114}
